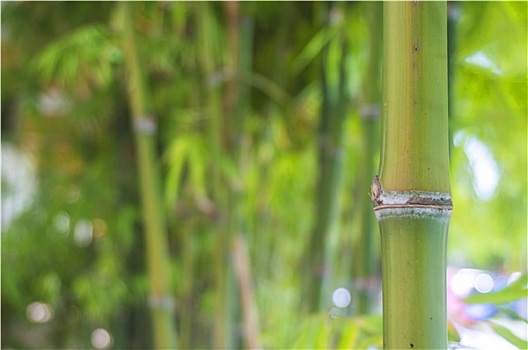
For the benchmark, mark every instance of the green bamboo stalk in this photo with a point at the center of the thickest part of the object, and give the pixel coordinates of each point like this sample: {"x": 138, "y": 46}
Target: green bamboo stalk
{"x": 279, "y": 74}
{"x": 370, "y": 115}
{"x": 185, "y": 329}
{"x": 161, "y": 302}
{"x": 209, "y": 56}
{"x": 411, "y": 197}
{"x": 335, "y": 102}
{"x": 226, "y": 115}
{"x": 240, "y": 37}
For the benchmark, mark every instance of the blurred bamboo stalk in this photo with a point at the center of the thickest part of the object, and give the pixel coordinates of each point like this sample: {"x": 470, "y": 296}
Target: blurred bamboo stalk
{"x": 249, "y": 307}
{"x": 161, "y": 301}
{"x": 209, "y": 61}
{"x": 370, "y": 110}
{"x": 335, "y": 103}
{"x": 236, "y": 109}
{"x": 453, "y": 12}
{"x": 411, "y": 197}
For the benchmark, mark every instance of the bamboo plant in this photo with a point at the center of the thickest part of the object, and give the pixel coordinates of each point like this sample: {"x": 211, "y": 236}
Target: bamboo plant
{"x": 210, "y": 58}
{"x": 335, "y": 102}
{"x": 411, "y": 196}
{"x": 370, "y": 111}
{"x": 237, "y": 106}
{"x": 161, "y": 301}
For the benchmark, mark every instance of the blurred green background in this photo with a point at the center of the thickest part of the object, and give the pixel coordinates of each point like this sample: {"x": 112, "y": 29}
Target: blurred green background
{"x": 237, "y": 93}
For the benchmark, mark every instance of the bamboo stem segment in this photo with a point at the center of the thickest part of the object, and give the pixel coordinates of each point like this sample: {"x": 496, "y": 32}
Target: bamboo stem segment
{"x": 411, "y": 197}
{"x": 415, "y": 148}
{"x": 161, "y": 302}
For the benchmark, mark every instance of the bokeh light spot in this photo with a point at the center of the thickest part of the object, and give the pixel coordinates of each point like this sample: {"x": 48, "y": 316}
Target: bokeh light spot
{"x": 484, "y": 283}
{"x": 39, "y": 312}
{"x": 83, "y": 233}
{"x": 101, "y": 338}
{"x": 341, "y": 297}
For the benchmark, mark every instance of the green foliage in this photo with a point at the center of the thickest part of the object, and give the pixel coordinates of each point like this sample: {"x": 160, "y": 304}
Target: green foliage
{"x": 515, "y": 291}
{"x": 84, "y": 56}
{"x": 490, "y": 104}
{"x": 84, "y": 161}
{"x": 324, "y": 332}
{"x": 510, "y": 336}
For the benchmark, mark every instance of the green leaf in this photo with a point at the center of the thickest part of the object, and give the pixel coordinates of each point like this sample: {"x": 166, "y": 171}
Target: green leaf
{"x": 515, "y": 291}
{"x": 324, "y": 335}
{"x": 175, "y": 156}
{"x": 512, "y": 314}
{"x": 350, "y": 336}
{"x": 509, "y": 336}
{"x": 314, "y": 47}
{"x": 191, "y": 151}
{"x": 84, "y": 55}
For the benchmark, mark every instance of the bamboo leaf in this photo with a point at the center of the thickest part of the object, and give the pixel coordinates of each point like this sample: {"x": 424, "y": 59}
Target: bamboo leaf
{"x": 350, "y": 337}
{"x": 308, "y": 333}
{"x": 197, "y": 162}
{"x": 323, "y": 335}
{"x": 313, "y": 48}
{"x": 175, "y": 157}
{"x": 84, "y": 54}
{"x": 512, "y": 314}
{"x": 509, "y": 336}
{"x": 267, "y": 86}
{"x": 516, "y": 290}
{"x": 192, "y": 151}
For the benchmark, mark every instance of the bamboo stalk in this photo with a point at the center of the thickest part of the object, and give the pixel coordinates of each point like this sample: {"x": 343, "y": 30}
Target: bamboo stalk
{"x": 415, "y": 97}
{"x": 453, "y": 9}
{"x": 208, "y": 57}
{"x": 236, "y": 110}
{"x": 188, "y": 280}
{"x": 161, "y": 301}
{"x": 334, "y": 106}
{"x": 249, "y": 307}
{"x": 411, "y": 197}
{"x": 370, "y": 115}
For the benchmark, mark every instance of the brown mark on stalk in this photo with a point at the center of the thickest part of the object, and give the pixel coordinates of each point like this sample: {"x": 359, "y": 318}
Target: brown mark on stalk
{"x": 376, "y": 191}
{"x": 415, "y": 47}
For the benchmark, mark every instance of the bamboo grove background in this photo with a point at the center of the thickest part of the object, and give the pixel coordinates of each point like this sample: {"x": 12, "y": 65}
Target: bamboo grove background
{"x": 228, "y": 197}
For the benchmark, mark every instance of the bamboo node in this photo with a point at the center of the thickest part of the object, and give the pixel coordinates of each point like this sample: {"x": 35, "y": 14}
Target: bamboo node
{"x": 159, "y": 302}
{"x": 414, "y": 202}
{"x": 145, "y": 124}
{"x": 370, "y": 111}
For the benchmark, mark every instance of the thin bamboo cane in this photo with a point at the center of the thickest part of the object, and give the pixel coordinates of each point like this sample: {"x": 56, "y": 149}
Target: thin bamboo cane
{"x": 370, "y": 111}
{"x": 161, "y": 301}
{"x": 453, "y": 9}
{"x": 330, "y": 134}
{"x": 240, "y": 35}
{"x": 208, "y": 57}
{"x": 411, "y": 197}
{"x": 242, "y": 266}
